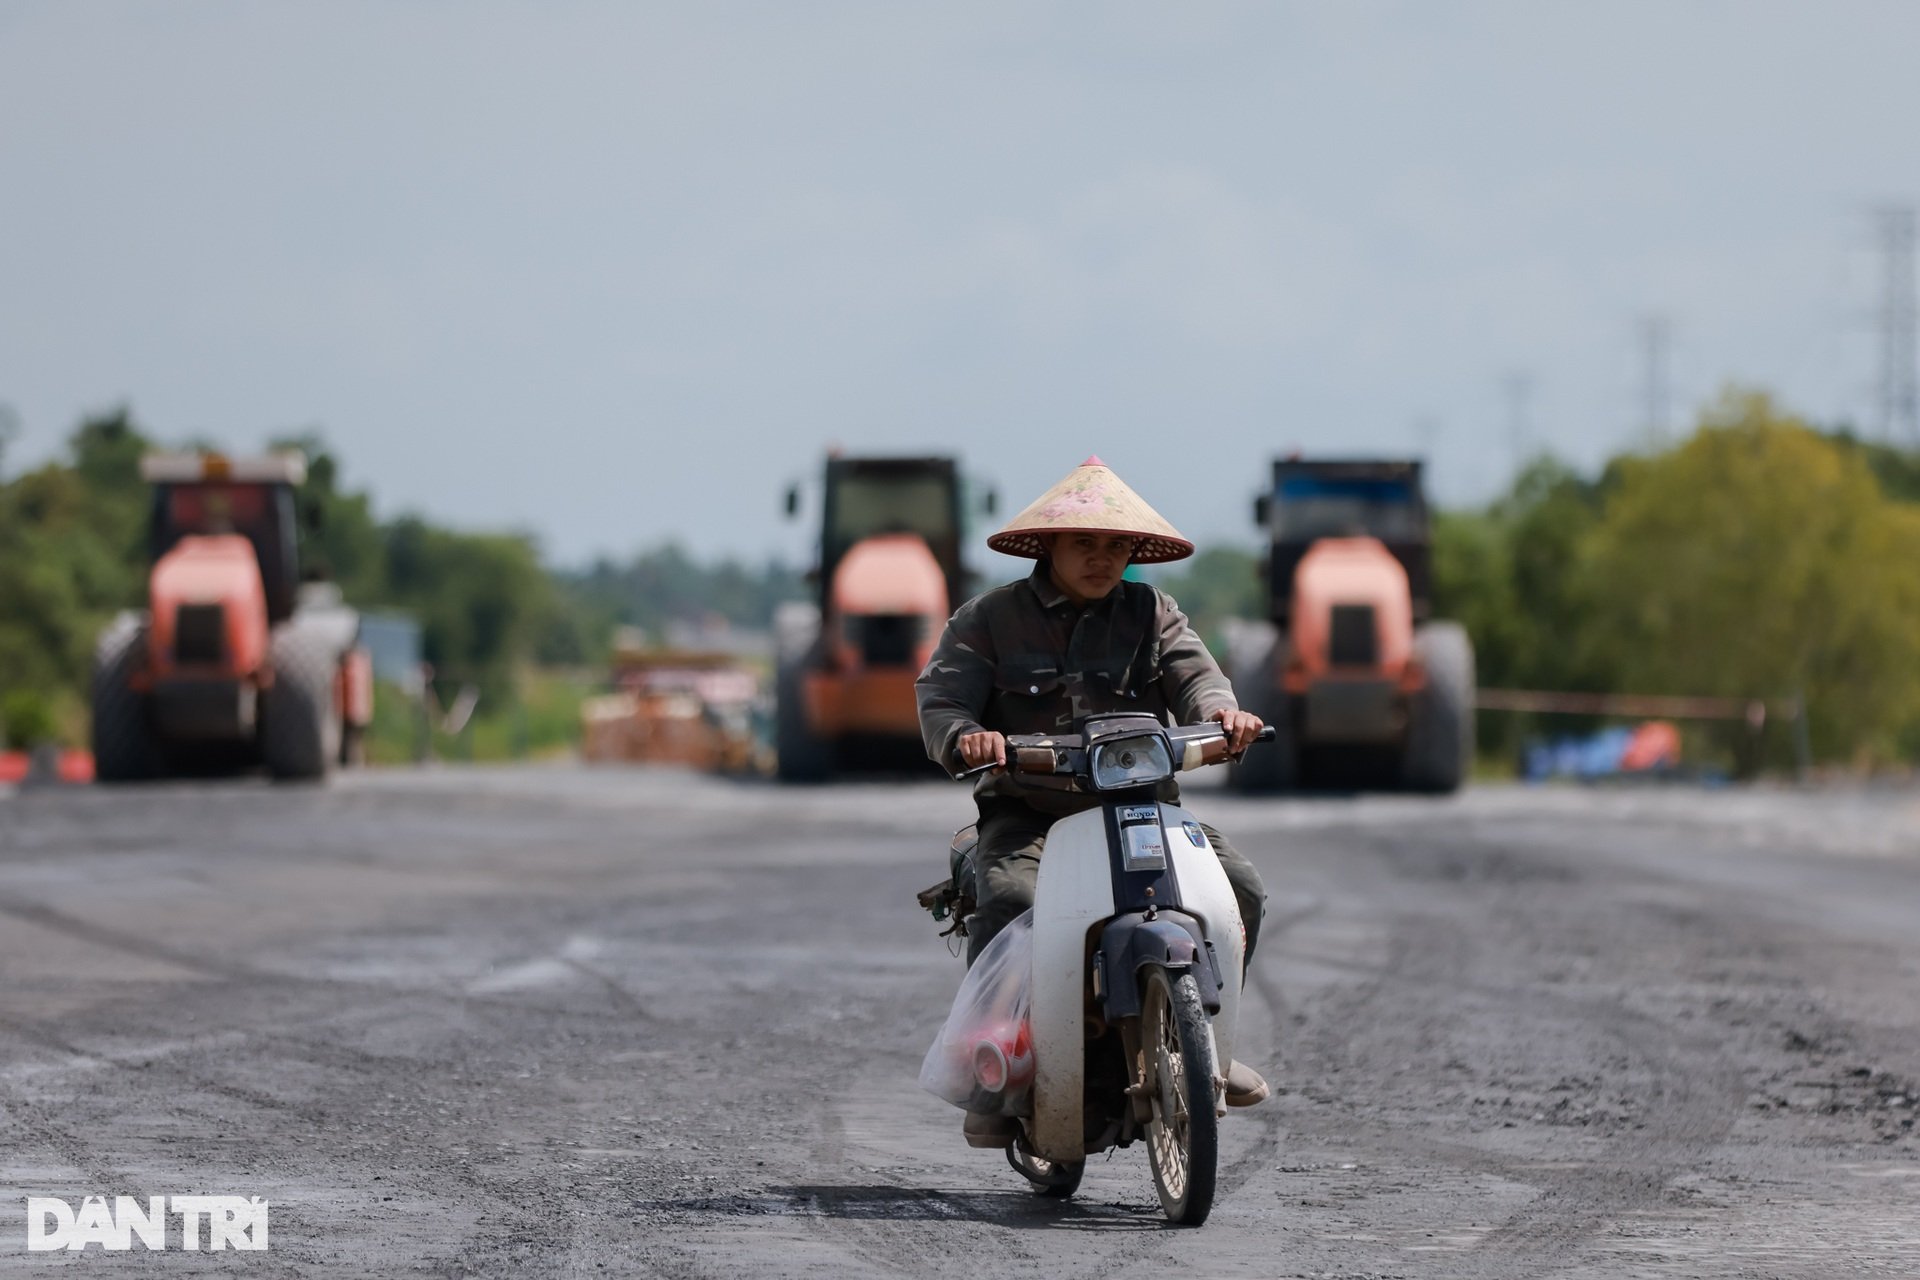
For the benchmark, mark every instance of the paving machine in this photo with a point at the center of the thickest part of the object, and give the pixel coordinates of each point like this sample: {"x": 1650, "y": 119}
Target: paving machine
{"x": 1362, "y": 686}
{"x": 888, "y": 578}
{"x": 234, "y": 663}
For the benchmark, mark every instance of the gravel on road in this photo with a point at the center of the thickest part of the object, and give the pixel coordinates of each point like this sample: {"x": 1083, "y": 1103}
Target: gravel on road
{"x": 583, "y": 1022}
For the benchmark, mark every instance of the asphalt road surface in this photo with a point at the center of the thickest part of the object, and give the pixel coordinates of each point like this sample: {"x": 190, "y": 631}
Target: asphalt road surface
{"x": 577, "y": 1022}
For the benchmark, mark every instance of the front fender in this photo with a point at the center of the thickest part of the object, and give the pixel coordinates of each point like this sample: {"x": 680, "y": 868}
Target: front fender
{"x": 1173, "y": 941}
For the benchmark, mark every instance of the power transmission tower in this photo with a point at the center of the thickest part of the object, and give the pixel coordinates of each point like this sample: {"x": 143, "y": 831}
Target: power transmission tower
{"x": 1656, "y": 342}
{"x": 1519, "y": 387}
{"x": 1426, "y": 435}
{"x": 9, "y": 429}
{"x": 1899, "y": 385}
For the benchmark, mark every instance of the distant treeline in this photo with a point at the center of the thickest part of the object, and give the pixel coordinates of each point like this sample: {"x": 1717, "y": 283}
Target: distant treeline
{"x": 666, "y": 585}
{"x": 1757, "y": 558}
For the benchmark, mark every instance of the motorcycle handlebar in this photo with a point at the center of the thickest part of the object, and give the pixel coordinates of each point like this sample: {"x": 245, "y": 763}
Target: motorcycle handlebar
{"x": 1266, "y": 734}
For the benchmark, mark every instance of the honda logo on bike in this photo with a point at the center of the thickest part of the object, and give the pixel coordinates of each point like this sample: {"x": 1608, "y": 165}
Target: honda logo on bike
{"x": 1141, "y": 843}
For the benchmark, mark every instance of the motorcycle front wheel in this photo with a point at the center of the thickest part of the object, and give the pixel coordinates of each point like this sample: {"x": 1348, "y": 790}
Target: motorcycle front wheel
{"x": 1183, "y": 1137}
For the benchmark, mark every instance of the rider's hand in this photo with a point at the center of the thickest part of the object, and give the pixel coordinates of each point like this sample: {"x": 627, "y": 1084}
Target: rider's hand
{"x": 1241, "y": 726}
{"x": 983, "y": 748}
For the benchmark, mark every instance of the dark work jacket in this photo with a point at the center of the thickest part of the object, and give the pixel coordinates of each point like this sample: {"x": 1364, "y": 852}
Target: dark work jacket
{"x": 1024, "y": 659}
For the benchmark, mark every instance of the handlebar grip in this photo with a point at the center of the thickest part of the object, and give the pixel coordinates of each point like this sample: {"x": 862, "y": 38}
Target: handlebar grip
{"x": 1266, "y": 734}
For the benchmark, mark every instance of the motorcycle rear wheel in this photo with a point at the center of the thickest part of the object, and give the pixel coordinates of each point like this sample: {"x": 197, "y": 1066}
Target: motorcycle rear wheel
{"x": 1055, "y": 1181}
{"x": 1183, "y": 1137}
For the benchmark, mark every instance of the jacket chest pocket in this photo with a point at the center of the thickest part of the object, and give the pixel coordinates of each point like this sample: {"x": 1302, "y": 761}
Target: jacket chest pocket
{"x": 1026, "y": 678}
{"x": 1126, "y": 674}
{"x": 1040, "y": 683}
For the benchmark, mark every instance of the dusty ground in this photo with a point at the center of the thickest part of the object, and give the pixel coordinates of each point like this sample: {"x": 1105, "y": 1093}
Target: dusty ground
{"x": 567, "y": 1022}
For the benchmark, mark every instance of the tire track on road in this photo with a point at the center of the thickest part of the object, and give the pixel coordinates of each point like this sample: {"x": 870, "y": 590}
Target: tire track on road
{"x": 1266, "y": 1117}
{"x": 127, "y": 943}
{"x": 1685, "y": 1092}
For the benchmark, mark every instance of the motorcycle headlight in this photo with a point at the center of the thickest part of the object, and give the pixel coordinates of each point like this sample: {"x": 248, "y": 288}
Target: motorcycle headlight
{"x": 1131, "y": 762}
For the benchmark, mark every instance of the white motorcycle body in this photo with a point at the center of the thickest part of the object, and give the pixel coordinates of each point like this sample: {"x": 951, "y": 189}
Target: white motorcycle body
{"x": 1075, "y": 892}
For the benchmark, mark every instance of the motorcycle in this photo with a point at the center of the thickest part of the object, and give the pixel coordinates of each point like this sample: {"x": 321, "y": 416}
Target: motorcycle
{"x": 1136, "y": 955}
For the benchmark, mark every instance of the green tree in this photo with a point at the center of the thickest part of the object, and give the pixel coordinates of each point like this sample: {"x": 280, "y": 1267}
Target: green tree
{"x": 1549, "y": 518}
{"x": 1473, "y": 584}
{"x": 1216, "y": 584}
{"x": 1513, "y": 575}
{"x": 106, "y": 459}
{"x": 1761, "y": 559}
{"x": 1897, "y": 470}
{"x": 479, "y": 598}
{"x": 71, "y": 540}
{"x": 666, "y": 584}
{"x": 9, "y": 432}
{"x": 340, "y": 538}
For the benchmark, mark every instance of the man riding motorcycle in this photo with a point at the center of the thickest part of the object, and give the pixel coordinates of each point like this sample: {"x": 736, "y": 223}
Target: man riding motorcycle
{"x": 1037, "y": 656}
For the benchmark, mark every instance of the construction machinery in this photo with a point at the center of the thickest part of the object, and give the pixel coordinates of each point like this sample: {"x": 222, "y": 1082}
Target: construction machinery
{"x": 1364, "y": 688}
{"x": 888, "y": 577}
{"x": 674, "y": 706}
{"x": 234, "y": 664}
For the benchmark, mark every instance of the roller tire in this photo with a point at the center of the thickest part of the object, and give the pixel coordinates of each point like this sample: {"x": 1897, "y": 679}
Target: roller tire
{"x": 125, "y": 747}
{"x": 353, "y": 746}
{"x": 801, "y": 756}
{"x": 1269, "y": 766}
{"x": 1440, "y": 737}
{"x": 300, "y": 731}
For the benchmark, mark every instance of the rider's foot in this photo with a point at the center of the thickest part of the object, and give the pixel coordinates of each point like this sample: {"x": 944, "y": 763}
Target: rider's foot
{"x": 990, "y": 1131}
{"x": 1244, "y": 1086}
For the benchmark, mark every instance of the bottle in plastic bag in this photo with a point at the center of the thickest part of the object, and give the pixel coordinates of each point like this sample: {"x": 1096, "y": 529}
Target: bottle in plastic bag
{"x": 1003, "y": 1057}
{"x": 982, "y": 1060}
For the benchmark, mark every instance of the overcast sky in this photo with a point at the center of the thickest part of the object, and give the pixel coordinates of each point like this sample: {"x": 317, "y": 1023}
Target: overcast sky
{"x": 614, "y": 273}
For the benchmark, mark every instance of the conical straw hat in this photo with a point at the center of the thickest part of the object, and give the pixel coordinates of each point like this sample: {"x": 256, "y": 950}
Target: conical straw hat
{"x": 1094, "y": 500}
